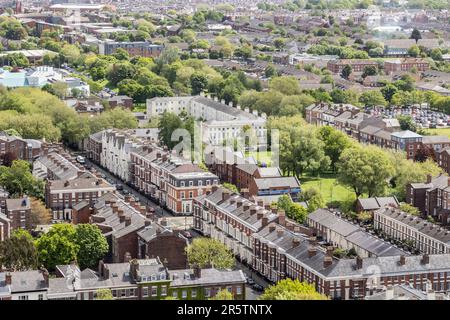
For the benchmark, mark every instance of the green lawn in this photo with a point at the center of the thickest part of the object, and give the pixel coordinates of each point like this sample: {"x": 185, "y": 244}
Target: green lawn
{"x": 330, "y": 189}
{"x": 261, "y": 156}
{"x": 439, "y": 131}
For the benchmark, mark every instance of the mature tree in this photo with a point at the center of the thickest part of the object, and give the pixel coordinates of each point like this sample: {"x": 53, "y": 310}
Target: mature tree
{"x": 39, "y": 213}
{"x": 293, "y": 210}
{"x": 223, "y": 294}
{"x": 425, "y": 153}
{"x": 121, "y": 54}
{"x": 120, "y": 71}
{"x": 230, "y": 187}
{"x": 270, "y": 71}
{"x": 104, "y": 294}
{"x": 289, "y": 289}
{"x": 372, "y": 98}
{"x": 436, "y": 54}
{"x": 168, "y": 123}
{"x": 369, "y": 71}
{"x": 365, "y": 169}
{"x": 207, "y": 252}
{"x": 58, "y": 246}
{"x": 314, "y": 199}
{"x": 199, "y": 82}
{"x": 287, "y": 85}
{"x": 346, "y": 71}
{"x": 388, "y": 91}
{"x": 18, "y": 253}
{"x": 407, "y": 123}
{"x": 335, "y": 142}
{"x": 406, "y": 207}
{"x": 414, "y": 51}
{"x": 18, "y": 180}
{"x": 416, "y": 35}
{"x": 92, "y": 243}
{"x": 408, "y": 171}
{"x": 302, "y": 151}
{"x": 16, "y": 59}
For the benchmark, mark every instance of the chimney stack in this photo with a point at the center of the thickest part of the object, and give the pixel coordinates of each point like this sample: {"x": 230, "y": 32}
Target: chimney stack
{"x": 239, "y": 203}
{"x": 425, "y": 259}
{"x": 225, "y": 195}
{"x": 246, "y": 206}
{"x": 295, "y": 242}
{"x": 127, "y": 257}
{"x": 264, "y": 221}
{"x": 197, "y": 271}
{"x": 429, "y": 177}
{"x": 127, "y": 221}
{"x": 330, "y": 251}
{"x": 359, "y": 263}
{"x": 312, "y": 250}
{"x": 281, "y": 217}
{"x": 280, "y": 232}
{"x": 327, "y": 261}
{"x": 8, "y": 278}
{"x": 402, "y": 260}
{"x": 253, "y": 210}
{"x": 214, "y": 188}
{"x": 101, "y": 268}
{"x": 272, "y": 227}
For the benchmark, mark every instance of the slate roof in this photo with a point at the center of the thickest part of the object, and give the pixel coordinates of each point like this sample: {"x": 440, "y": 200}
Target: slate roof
{"x": 377, "y": 202}
{"x": 276, "y": 182}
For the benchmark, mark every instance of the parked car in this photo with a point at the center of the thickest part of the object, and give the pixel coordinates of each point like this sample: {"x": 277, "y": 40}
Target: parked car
{"x": 81, "y": 159}
{"x": 187, "y": 234}
{"x": 257, "y": 287}
{"x": 119, "y": 186}
{"x": 250, "y": 281}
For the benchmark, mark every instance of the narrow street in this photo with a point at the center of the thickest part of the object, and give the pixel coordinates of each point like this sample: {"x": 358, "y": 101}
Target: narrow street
{"x": 137, "y": 195}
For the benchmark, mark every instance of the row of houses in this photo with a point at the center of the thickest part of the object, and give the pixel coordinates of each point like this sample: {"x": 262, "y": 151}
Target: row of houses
{"x": 383, "y": 132}
{"x": 219, "y": 121}
{"x": 389, "y": 66}
{"x": 276, "y": 248}
{"x": 137, "y": 279}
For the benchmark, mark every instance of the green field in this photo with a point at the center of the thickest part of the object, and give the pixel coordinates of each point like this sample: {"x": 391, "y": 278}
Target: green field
{"x": 330, "y": 189}
{"x": 439, "y": 131}
{"x": 261, "y": 156}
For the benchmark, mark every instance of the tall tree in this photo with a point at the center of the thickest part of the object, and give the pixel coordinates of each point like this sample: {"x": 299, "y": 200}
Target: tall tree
{"x": 58, "y": 246}
{"x": 206, "y": 252}
{"x": 18, "y": 253}
{"x": 335, "y": 142}
{"x": 365, "y": 169}
{"x": 416, "y": 35}
{"x": 346, "y": 71}
{"x": 18, "y": 180}
{"x": 289, "y": 289}
{"x": 39, "y": 213}
{"x": 92, "y": 245}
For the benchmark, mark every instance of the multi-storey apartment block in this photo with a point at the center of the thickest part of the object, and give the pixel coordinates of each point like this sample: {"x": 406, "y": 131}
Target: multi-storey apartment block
{"x": 219, "y": 122}
{"x": 138, "y": 48}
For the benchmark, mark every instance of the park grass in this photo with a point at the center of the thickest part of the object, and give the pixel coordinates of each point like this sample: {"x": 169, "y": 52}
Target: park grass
{"x": 261, "y": 156}
{"x": 439, "y": 131}
{"x": 330, "y": 189}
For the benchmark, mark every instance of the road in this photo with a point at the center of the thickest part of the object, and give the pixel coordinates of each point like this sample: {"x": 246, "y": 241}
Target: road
{"x": 137, "y": 195}
{"x": 251, "y": 294}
